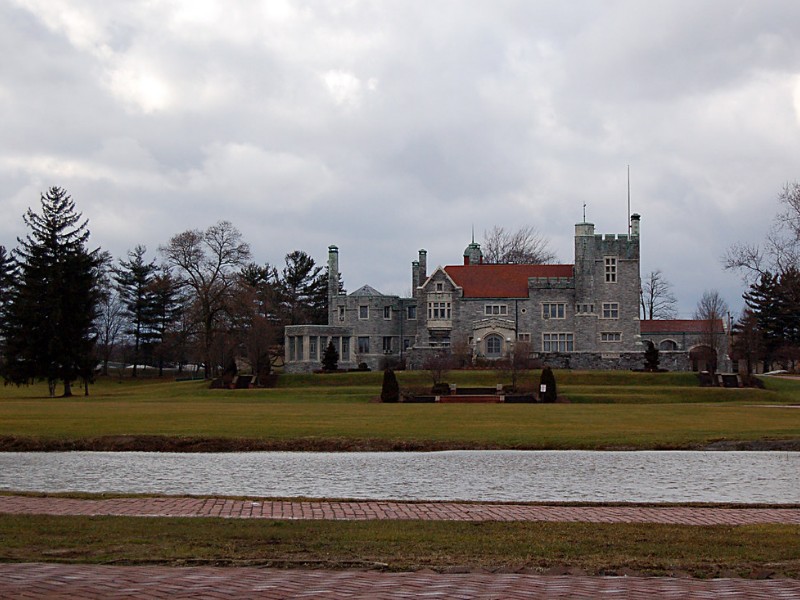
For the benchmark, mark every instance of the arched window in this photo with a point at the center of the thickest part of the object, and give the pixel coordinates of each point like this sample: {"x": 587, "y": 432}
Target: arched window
{"x": 668, "y": 345}
{"x": 494, "y": 346}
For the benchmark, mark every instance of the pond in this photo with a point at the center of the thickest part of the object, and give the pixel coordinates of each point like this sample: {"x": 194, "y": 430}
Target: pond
{"x": 507, "y": 476}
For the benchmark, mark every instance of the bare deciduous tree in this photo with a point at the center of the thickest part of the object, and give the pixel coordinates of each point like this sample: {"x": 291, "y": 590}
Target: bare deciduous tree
{"x": 523, "y": 246}
{"x": 781, "y": 248}
{"x": 712, "y": 309}
{"x": 657, "y": 299}
{"x": 208, "y": 262}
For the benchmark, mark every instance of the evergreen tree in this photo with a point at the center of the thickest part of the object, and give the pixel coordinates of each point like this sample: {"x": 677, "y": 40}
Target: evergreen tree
{"x": 390, "y": 390}
{"x": 134, "y": 278}
{"x": 774, "y": 301}
{"x": 330, "y": 358}
{"x": 651, "y": 357}
{"x": 49, "y": 326}
{"x": 7, "y": 280}
{"x": 303, "y": 288}
{"x": 163, "y": 311}
{"x": 547, "y": 382}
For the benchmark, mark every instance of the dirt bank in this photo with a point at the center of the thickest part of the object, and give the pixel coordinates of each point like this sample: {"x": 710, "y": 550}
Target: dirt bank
{"x": 135, "y": 443}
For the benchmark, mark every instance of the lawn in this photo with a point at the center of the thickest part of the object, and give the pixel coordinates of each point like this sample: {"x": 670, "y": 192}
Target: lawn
{"x": 605, "y": 410}
{"x": 592, "y": 548}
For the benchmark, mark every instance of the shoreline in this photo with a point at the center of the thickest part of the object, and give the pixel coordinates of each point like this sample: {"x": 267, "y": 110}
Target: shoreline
{"x": 196, "y": 444}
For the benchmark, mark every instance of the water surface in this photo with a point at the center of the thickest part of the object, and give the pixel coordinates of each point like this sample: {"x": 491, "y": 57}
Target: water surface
{"x": 513, "y": 476}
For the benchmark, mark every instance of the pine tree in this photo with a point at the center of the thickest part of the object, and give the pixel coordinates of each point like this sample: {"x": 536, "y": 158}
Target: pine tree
{"x": 304, "y": 290}
{"x": 330, "y": 358}
{"x": 49, "y": 326}
{"x": 134, "y": 278}
{"x": 163, "y": 310}
{"x": 7, "y": 280}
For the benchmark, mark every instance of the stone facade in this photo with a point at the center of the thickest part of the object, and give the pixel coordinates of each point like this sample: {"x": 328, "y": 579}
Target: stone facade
{"x": 583, "y": 315}
{"x": 689, "y": 345}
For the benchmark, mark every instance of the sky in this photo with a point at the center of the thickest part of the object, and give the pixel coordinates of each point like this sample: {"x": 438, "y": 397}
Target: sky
{"x": 387, "y": 127}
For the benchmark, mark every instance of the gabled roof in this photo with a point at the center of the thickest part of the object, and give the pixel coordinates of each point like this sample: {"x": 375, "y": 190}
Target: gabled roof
{"x": 502, "y": 281}
{"x": 435, "y": 271}
{"x": 680, "y": 326}
{"x": 366, "y": 290}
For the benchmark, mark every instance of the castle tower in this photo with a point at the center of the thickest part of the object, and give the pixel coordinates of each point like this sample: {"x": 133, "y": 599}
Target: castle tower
{"x": 584, "y": 262}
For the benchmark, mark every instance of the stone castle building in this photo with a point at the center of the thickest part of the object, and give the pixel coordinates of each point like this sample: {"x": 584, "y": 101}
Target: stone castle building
{"x": 582, "y": 315}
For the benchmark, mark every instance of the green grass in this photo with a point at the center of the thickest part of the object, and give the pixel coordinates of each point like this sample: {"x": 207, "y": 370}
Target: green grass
{"x": 602, "y": 549}
{"x": 607, "y": 409}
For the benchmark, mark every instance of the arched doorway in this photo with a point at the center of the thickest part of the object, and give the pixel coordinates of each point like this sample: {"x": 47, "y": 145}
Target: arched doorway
{"x": 494, "y": 346}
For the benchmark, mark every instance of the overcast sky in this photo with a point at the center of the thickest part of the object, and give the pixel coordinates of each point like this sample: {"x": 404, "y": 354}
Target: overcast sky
{"x": 386, "y": 127}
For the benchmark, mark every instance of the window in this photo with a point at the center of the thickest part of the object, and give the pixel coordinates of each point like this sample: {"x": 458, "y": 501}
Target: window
{"x": 610, "y": 310}
{"x": 300, "y": 355}
{"x": 439, "y": 287}
{"x": 584, "y": 309}
{"x": 438, "y": 310}
{"x": 610, "y": 336}
{"x": 668, "y": 345}
{"x": 494, "y": 346}
{"x": 496, "y": 309}
{"x": 523, "y": 337}
{"x": 412, "y": 312}
{"x": 363, "y": 345}
{"x": 553, "y": 310}
{"x": 345, "y": 348}
{"x": 312, "y": 347}
{"x": 363, "y": 312}
{"x": 611, "y": 269}
{"x": 387, "y": 312}
{"x": 291, "y": 348}
{"x": 557, "y": 342}
{"x": 341, "y": 313}
{"x": 407, "y": 343}
{"x": 387, "y": 344}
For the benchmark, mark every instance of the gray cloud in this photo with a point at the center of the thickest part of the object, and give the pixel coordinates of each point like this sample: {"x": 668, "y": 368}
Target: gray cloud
{"x": 385, "y": 128}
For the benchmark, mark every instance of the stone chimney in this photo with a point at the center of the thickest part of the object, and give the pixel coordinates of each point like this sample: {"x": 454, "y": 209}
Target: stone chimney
{"x": 635, "y": 218}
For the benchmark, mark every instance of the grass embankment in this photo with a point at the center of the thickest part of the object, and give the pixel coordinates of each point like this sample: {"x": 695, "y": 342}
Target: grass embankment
{"x": 601, "y": 549}
{"x": 335, "y": 412}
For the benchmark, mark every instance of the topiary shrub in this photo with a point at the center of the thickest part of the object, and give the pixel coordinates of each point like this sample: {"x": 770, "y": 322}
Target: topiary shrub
{"x": 547, "y": 386}
{"x": 651, "y": 357}
{"x": 390, "y": 390}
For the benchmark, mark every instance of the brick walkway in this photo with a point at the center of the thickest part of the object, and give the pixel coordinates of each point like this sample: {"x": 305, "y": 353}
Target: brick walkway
{"x": 445, "y": 511}
{"x": 90, "y": 582}
{"x": 151, "y": 582}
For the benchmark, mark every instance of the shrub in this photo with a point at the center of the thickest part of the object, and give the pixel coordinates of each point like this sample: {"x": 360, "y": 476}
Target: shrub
{"x": 390, "y": 390}
{"x": 330, "y": 358}
{"x": 547, "y": 382}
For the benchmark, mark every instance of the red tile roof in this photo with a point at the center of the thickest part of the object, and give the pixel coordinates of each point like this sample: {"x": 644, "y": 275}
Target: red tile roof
{"x": 679, "y": 326}
{"x": 502, "y": 281}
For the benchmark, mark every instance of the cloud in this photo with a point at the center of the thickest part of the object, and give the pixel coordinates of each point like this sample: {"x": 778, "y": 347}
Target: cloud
{"x": 388, "y": 127}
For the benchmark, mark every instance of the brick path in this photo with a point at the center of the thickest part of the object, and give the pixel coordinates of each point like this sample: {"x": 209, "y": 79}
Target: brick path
{"x": 90, "y": 582}
{"x": 445, "y": 511}
{"x": 151, "y": 582}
